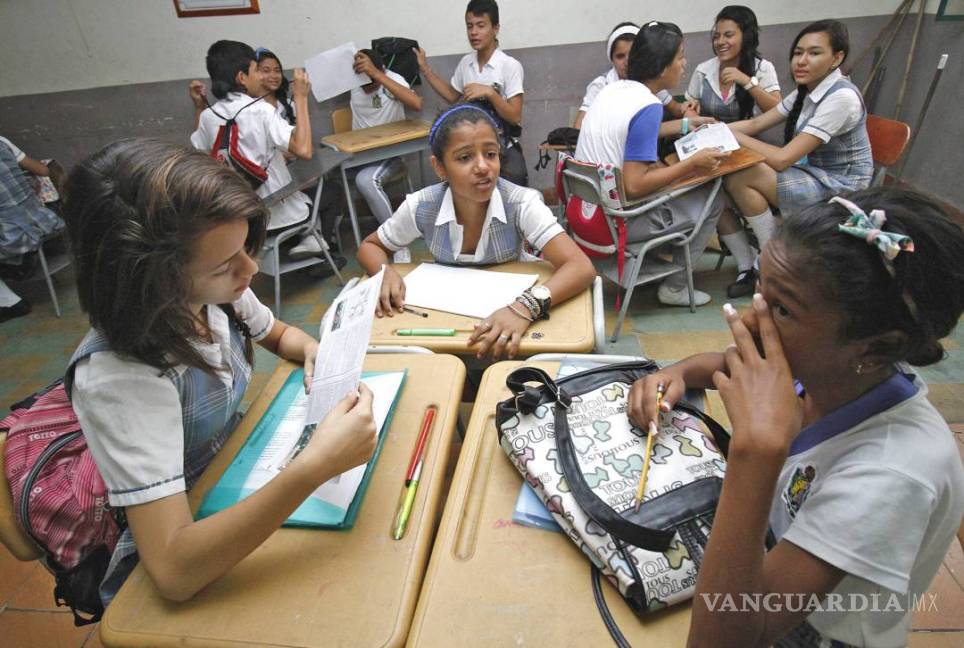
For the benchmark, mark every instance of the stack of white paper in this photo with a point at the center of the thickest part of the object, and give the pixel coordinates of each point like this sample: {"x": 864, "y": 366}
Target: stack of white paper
{"x": 331, "y": 73}
{"x": 464, "y": 291}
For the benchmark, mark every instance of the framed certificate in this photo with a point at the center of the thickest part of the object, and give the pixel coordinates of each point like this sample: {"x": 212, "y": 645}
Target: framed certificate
{"x": 199, "y": 8}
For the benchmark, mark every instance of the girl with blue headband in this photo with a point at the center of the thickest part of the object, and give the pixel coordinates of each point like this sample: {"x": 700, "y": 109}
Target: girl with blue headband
{"x": 474, "y": 217}
{"x": 835, "y": 448}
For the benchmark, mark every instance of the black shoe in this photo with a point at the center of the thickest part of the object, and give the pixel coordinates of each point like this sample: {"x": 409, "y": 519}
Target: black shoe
{"x": 744, "y": 285}
{"x": 323, "y": 270}
{"x": 19, "y": 309}
{"x": 22, "y": 270}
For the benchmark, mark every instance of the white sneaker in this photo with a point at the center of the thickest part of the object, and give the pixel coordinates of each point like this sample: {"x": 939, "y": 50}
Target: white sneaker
{"x": 680, "y": 297}
{"x": 307, "y": 247}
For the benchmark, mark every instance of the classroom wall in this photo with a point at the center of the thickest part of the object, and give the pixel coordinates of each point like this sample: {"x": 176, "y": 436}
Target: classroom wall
{"x": 71, "y": 124}
{"x": 76, "y": 44}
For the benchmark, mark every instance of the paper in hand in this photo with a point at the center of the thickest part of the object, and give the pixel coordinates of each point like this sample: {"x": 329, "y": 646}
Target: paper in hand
{"x": 343, "y": 341}
{"x": 718, "y": 136}
{"x": 331, "y": 72}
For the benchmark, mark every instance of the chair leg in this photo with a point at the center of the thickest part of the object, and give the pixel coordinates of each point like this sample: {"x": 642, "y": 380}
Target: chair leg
{"x": 627, "y": 295}
{"x": 689, "y": 277}
{"x": 331, "y": 262}
{"x": 277, "y": 280}
{"x": 47, "y": 278}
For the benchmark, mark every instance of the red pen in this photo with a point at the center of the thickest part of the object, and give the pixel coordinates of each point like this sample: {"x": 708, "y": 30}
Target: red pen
{"x": 420, "y": 444}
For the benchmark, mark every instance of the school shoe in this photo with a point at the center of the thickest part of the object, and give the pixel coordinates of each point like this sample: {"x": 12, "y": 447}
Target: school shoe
{"x": 680, "y": 297}
{"x": 744, "y": 285}
{"x": 19, "y": 309}
{"x": 323, "y": 270}
{"x": 308, "y": 247}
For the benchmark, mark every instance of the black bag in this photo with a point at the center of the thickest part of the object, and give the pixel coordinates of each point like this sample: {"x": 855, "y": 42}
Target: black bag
{"x": 398, "y": 56}
{"x": 562, "y": 136}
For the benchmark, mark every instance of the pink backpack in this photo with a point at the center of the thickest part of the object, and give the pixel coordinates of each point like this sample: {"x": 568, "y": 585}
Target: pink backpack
{"x": 59, "y": 497}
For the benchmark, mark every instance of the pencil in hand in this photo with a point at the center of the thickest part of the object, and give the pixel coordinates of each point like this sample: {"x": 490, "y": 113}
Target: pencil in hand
{"x": 650, "y": 438}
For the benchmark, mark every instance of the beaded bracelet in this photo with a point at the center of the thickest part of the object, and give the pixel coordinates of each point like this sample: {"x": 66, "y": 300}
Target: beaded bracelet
{"x": 531, "y": 303}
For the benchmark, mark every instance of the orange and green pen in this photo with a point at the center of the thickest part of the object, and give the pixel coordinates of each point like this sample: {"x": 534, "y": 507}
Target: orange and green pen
{"x": 412, "y": 476}
{"x": 653, "y": 430}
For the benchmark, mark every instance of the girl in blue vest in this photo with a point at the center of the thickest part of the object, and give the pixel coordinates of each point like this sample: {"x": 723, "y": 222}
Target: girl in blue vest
{"x": 836, "y": 447}
{"x": 474, "y": 217}
{"x": 736, "y": 84}
{"x": 164, "y": 238}
{"x": 826, "y": 149}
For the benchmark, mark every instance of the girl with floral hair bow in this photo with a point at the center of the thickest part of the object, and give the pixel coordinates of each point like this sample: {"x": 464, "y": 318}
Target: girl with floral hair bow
{"x": 835, "y": 446}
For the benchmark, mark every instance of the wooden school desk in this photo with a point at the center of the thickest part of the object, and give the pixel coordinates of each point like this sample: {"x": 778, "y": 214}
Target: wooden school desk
{"x": 569, "y": 329}
{"x": 311, "y": 587}
{"x": 492, "y": 582}
{"x": 370, "y": 145}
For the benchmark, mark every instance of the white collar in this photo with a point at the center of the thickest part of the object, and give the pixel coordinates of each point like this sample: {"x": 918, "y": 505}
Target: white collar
{"x": 817, "y": 93}
{"x": 446, "y": 212}
{"x": 497, "y": 56}
{"x": 612, "y": 76}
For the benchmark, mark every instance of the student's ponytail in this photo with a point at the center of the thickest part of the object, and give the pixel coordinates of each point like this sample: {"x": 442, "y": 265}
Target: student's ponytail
{"x": 790, "y": 127}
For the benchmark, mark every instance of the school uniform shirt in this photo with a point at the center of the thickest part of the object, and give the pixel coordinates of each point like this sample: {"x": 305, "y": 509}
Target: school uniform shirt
{"x": 825, "y": 119}
{"x": 705, "y": 87}
{"x": 296, "y": 207}
{"x": 379, "y": 107}
{"x": 622, "y": 124}
{"x": 603, "y": 80}
{"x": 132, "y": 416}
{"x": 876, "y": 489}
{"x": 535, "y": 221}
{"x": 501, "y": 71}
{"x": 263, "y": 133}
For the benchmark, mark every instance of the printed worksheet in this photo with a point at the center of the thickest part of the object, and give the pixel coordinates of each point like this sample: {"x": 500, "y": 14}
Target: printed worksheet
{"x": 718, "y": 136}
{"x": 331, "y": 72}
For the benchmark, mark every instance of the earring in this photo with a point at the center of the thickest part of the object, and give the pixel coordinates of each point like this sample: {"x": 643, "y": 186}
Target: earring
{"x": 859, "y": 369}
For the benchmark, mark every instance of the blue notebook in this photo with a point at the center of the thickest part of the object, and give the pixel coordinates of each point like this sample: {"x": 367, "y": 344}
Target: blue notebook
{"x": 335, "y": 504}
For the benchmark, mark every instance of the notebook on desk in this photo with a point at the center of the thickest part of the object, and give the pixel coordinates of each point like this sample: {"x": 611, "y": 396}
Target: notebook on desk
{"x": 276, "y": 439}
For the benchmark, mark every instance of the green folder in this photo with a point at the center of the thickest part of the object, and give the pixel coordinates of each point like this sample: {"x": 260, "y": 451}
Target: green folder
{"x": 312, "y": 512}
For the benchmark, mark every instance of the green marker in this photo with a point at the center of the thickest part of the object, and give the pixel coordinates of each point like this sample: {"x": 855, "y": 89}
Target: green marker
{"x": 439, "y": 332}
{"x": 405, "y": 510}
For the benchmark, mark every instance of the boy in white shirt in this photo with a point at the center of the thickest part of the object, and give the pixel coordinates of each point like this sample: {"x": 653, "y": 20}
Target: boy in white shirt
{"x": 492, "y": 78}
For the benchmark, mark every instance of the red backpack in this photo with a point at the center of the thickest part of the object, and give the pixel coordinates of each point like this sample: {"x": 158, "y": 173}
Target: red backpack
{"x": 226, "y": 149}
{"x": 60, "y": 499}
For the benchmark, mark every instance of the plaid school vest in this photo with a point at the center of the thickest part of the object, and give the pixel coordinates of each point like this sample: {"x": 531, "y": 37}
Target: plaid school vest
{"x": 712, "y": 106}
{"x": 847, "y": 153}
{"x": 209, "y": 413}
{"x": 505, "y": 239}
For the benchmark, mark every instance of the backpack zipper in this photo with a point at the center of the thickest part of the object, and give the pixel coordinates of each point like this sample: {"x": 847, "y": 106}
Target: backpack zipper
{"x": 32, "y": 476}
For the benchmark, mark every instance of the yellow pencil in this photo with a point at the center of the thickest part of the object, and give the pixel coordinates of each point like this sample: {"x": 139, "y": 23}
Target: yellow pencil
{"x": 650, "y": 437}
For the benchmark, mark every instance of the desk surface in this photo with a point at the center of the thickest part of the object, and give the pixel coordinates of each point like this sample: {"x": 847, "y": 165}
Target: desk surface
{"x": 306, "y": 173}
{"x": 569, "y": 328}
{"x": 309, "y": 587}
{"x": 738, "y": 160}
{"x": 492, "y": 582}
{"x": 364, "y": 139}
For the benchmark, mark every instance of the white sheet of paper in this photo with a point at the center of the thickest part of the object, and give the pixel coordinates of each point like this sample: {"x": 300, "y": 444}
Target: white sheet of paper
{"x": 339, "y": 490}
{"x": 343, "y": 340}
{"x": 331, "y": 72}
{"x": 716, "y": 135}
{"x": 464, "y": 291}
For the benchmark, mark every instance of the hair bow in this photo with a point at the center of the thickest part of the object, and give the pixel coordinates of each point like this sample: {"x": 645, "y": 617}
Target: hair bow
{"x": 869, "y": 229}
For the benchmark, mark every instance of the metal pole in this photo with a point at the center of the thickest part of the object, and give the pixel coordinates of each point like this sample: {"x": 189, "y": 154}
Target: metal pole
{"x": 910, "y": 60}
{"x": 941, "y": 63}
{"x": 904, "y": 10}
{"x": 860, "y": 59}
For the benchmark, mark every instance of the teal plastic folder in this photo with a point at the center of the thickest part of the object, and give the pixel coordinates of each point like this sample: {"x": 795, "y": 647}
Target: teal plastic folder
{"x": 312, "y": 512}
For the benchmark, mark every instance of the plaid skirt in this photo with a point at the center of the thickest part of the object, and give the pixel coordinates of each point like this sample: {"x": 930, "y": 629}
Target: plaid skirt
{"x": 803, "y": 185}
{"x": 24, "y": 227}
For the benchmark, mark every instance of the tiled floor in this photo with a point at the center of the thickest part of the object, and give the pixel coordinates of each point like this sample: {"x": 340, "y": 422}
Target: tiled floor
{"x": 35, "y": 349}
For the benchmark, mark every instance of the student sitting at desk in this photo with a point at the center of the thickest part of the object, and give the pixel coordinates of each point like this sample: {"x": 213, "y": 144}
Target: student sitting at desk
{"x": 491, "y": 78}
{"x": 164, "y": 238}
{"x": 835, "y": 446}
{"x": 617, "y": 49}
{"x": 473, "y": 218}
{"x": 622, "y": 128}
{"x": 382, "y": 101}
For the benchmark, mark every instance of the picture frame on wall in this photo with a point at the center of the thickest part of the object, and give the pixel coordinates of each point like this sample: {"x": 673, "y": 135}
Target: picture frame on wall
{"x": 201, "y": 8}
{"x": 950, "y": 10}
